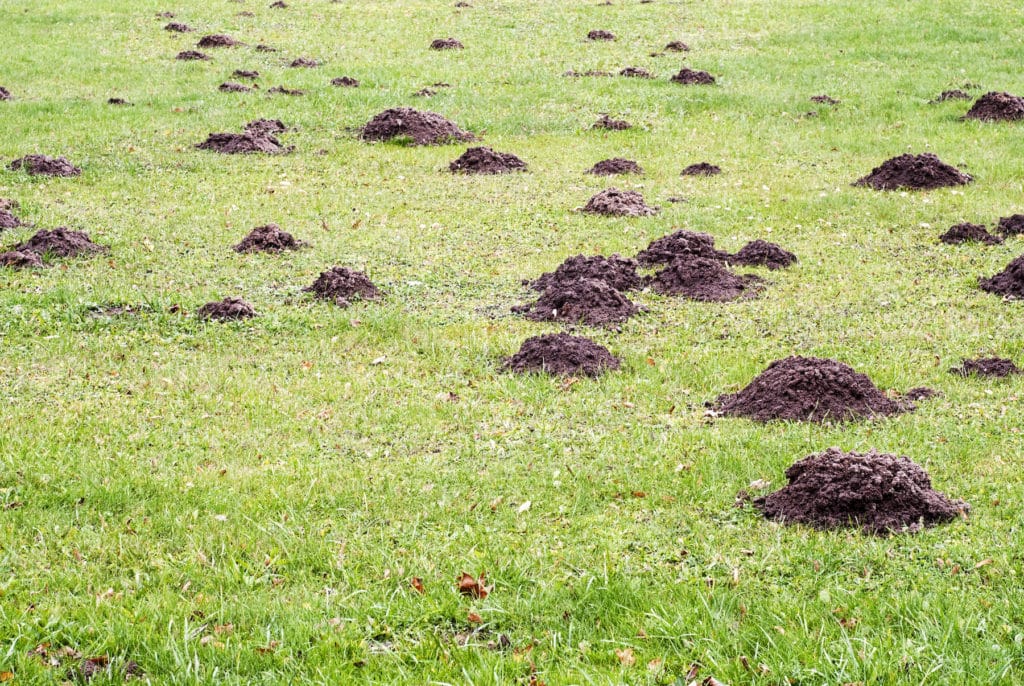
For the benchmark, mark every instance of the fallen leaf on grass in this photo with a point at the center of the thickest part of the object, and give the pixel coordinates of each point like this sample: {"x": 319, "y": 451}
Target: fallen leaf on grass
{"x": 626, "y": 656}
{"x": 984, "y": 563}
{"x": 417, "y": 585}
{"x": 269, "y": 648}
{"x": 6, "y": 676}
{"x": 475, "y": 588}
{"x": 474, "y": 618}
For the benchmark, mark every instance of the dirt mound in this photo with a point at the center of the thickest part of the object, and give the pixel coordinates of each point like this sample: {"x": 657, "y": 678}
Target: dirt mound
{"x": 483, "y": 160}
{"x": 699, "y": 278}
{"x": 118, "y": 101}
{"x": 244, "y": 144}
{"x": 446, "y": 44}
{"x": 342, "y": 285}
{"x": 345, "y": 82}
{"x": 425, "y": 93}
{"x": 226, "y": 310}
{"x": 615, "y": 203}
{"x": 586, "y": 301}
{"x": 265, "y": 48}
{"x": 636, "y": 73}
{"x": 41, "y": 165}
{"x": 955, "y": 94}
{"x": 303, "y": 63}
{"x": 600, "y": 34}
{"x": 561, "y": 354}
{"x": 246, "y": 74}
{"x": 286, "y": 91}
{"x": 278, "y": 5}
{"x": 61, "y": 242}
{"x": 915, "y": 172}
{"x": 17, "y": 259}
{"x": 682, "y": 243}
{"x": 1012, "y": 225}
{"x": 761, "y": 253}
{"x": 217, "y": 40}
{"x": 1008, "y": 283}
{"x": 824, "y": 100}
{"x": 8, "y": 204}
{"x": 191, "y": 55}
{"x": 609, "y": 124}
{"x": 691, "y": 77}
{"x": 232, "y": 87}
{"x": 702, "y": 169}
{"x": 8, "y": 220}
{"x": 986, "y": 366}
{"x": 265, "y": 126}
{"x": 421, "y": 128}
{"x": 809, "y": 389}
{"x": 268, "y": 238}
{"x": 969, "y": 233}
{"x": 615, "y": 165}
{"x": 178, "y": 27}
{"x": 880, "y": 494}
{"x": 590, "y": 72}
{"x": 618, "y": 272}
{"x": 677, "y": 46}
{"x": 997, "y": 107}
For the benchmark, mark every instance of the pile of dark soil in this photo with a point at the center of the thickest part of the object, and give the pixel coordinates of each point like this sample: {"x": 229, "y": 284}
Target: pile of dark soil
{"x": 278, "y": 5}
{"x": 878, "y": 493}
{"x": 226, "y": 310}
{"x": 561, "y": 354}
{"x": 342, "y": 285}
{"x": 703, "y": 279}
{"x": 286, "y": 91}
{"x": 677, "y": 46}
{"x": 118, "y": 101}
{"x": 217, "y": 41}
{"x": 615, "y": 203}
{"x": 165, "y": 15}
{"x": 1012, "y": 225}
{"x": 997, "y": 107}
{"x": 17, "y": 259}
{"x": 483, "y": 160}
{"x": 191, "y": 55}
{"x": 425, "y": 93}
{"x": 914, "y": 172}
{"x": 681, "y": 244}
{"x": 232, "y": 87}
{"x": 345, "y": 82}
{"x": 809, "y": 389}
{"x": 265, "y": 48}
{"x": 615, "y": 165}
{"x": 761, "y": 253}
{"x": 969, "y": 233}
{"x": 41, "y": 165}
{"x": 702, "y": 169}
{"x": 8, "y": 204}
{"x": 61, "y": 242}
{"x": 824, "y": 100}
{"x": 987, "y": 366}
{"x": 600, "y": 34}
{"x": 693, "y": 77}
{"x": 246, "y": 74}
{"x": 8, "y": 220}
{"x": 263, "y": 127}
{"x": 955, "y": 94}
{"x": 585, "y": 301}
{"x": 618, "y": 272}
{"x": 4, "y": 94}
{"x": 1008, "y": 283}
{"x": 421, "y": 128}
{"x": 636, "y": 73}
{"x": 268, "y": 238}
{"x": 244, "y": 144}
{"x": 178, "y": 27}
{"x": 446, "y": 44}
{"x": 609, "y": 124}
{"x": 303, "y": 63}
{"x": 590, "y": 72}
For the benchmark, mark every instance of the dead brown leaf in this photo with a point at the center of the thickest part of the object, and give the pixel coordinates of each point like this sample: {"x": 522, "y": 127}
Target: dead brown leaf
{"x": 474, "y": 588}
{"x": 417, "y": 585}
{"x": 474, "y": 618}
{"x": 626, "y": 656}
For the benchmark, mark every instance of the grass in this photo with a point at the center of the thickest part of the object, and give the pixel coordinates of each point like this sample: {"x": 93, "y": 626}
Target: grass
{"x": 247, "y": 503}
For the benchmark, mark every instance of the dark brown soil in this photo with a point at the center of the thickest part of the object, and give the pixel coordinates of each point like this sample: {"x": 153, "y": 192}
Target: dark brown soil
{"x": 345, "y": 82}
{"x": 446, "y": 44}
{"x": 561, "y": 354}
{"x": 262, "y": 127}
{"x": 761, "y": 253}
{"x": 1008, "y": 283}
{"x": 118, "y": 101}
{"x": 191, "y": 55}
{"x": 586, "y": 301}
{"x": 600, "y": 34}
{"x": 166, "y": 15}
{"x": 303, "y": 63}
{"x": 824, "y": 100}
{"x": 880, "y": 494}
{"x": 4, "y": 94}
{"x": 265, "y": 48}
{"x": 425, "y": 93}
{"x": 609, "y": 124}
{"x": 462, "y": 3}
{"x": 955, "y": 94}
{"x": 178, "y": 27}
{"x": 691, "y": 77}
{"x": 17, "y": 259}
{"x": 613, "y": 202}
{"x": 986, "y": 366}
{"x": 246, "y": 74}
{"x": 217, "y": 41}
{"x": 615, "y": 165}
{"x": 618, "y": 272}
{"x": 483, "y": 160}
{"x": 8, "y": 220}
{"x": 279, "y": 5}
{"x": 243, "y": 144}
{"x": 60, "y": 242}
{"x": 232, "y": 87}
{"x": 914, "y": 172}
{"x": 1012, "y": 225}
{"x": 682, "y": 243}
{"x": 636, "y": 73}
{"x": 286, "y": 91}
{"x": 8, "y": 204}
{"x": 590, "y": 72}
{"x": 41, "y": 165}
{"x": 997, "y": 107}
{"x": 418, "y": 127}
{"x": 226, "y": 310}
{"x": 268, "y": 238}
{"x": 969, "y": 233}
{"x": 706, "y": 280}
{"x": 341, "y": 286}
{"x": 809, "y": 389}
{"x": 702, "y": 169}
{"x": 920, "y": 393}
{"x": 677, "y": 46}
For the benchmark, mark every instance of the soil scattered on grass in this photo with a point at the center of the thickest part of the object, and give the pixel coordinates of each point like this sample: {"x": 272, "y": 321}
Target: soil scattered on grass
{"x": 636, "y": 73}
{"x": 914, "y": 172}
{"x": 425, "y": 93}
{"x": 1012, "y": 225}
{"x": 262, "y": 127}
{"x": 118, "y": 101}
{"x": 1008, "y": 283}
{"x": 286, "y": 91}
{"x": 703, "y": 279}
{"x": 693, "y": 77}
{"x": 18, "y": 259}
{"x": 303, "y": 63}
{"x": 986, "y": 366}
{"x": 681, "y": 244}
{"x": 586, "y": 301}
{"x": 677, "y": 46}
{"x": 42, "y": 165}
{"x": 191, "y": 55}
{"x": 4, "y": 94}
{"x": 217, "y": 40}
{"x": 268, "y": 238}
{"x": 419, "y": 127}
{"x": 483, "y": 160}
{"x": 232, "y": 87}
{"x": 244, "y": 143}
{"x": 878, "y": 493}
{"x": 246, "y": 74}
{"x": 226, "y": 310}
{"x": 8, "y": 220}
{"x": 955, "y": 94}
{"x": 615, "y": 165}
{"x": 997, "y": 107}
{"x": 462, "y": 3}
{"x": 609, "y": 124}
{"x": 341, "y": 285}
{"x": 702, "y": 169}
{"x": 618, "y": 203}
{"x": 600, "y": 34}
{"x": 178, "y": 27}
{"x": 561, "y": 354}
{"x": 265, "y": 48}
{"x": 618, "y": 272}
{"x": 590, "y": 72}
{"x": 969, "y": 233}
{"x": 446, "y": 44}
{"x": 760, "y": 253}
{"x": 345, "y": 82}
{"x": 809, "y": 389}
{"x": 60, "y": 242}
{"x": 165, "y": 15}
{"x": 279, "y": 5}
{"x": 824, "y": 100}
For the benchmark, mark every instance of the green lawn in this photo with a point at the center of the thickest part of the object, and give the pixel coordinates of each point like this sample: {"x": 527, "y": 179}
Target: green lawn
{"x": 248, "y": 503}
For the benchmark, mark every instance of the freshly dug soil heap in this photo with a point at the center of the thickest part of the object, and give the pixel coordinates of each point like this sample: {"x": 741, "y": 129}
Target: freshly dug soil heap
{"x": 615, "y": 165}
{"x": 345, "y": 82}
{"x": 702, "y": 169}
{"x": 268, "y": 238}
{"x": 60, "y": 242}
{"x": 677, "y": 46}
{"x": 226, "y": 310}
{"x": 178, "y": 27}
{"x": 41, "y": 165}
{"x": 600, "y": 34}
{"x": 969, "y": 233}
{"x": 303, "y": 63}
{"x": 997, "y": 107}
{"x": 191, "y": 55}
{"x": 1008, "y": 283}
{"x": 612, "y": 202}
{"x": 618, "y": 272}
{"x": 265, "y": 126}
{"x": 1012, "y": 225}
{"x": 232, "y": 87}
{"x": 761, "y": 253}
{"x": 636, "y": 73}
{"x": 246, "y": 74}
{"x": 257, "y": 139}
{"x": 286, "y": 91}
{"x": 446, "y": 44}
{"x": 682, "y": 243}
{"x": 986, "y": 366}
{"x": 586, "y": 301}
{"x": 915, "y": 172}
{"x": 693, "y": 77}
{"x": 265, "y": 48}
{"x": 824, "y": 100}
{"x": 342, "y": 285}
{"x": 422, "y": 128}
{"x": 699, "y": 278}
{"x": 609, "y": 124}
{"x": 483, "y": 160}
{"x": 878, "y": 493}
{"x": 561, "y": 354}
{"x": 217, "y": 41}
{"x": 8, "y": 220}
{"x": 17, "y": 259}
{"x": 955, "y": 94}
{"x": 809, "y": 389}
{"x": 4, "y": 94}
{"x": 425, "y": 93}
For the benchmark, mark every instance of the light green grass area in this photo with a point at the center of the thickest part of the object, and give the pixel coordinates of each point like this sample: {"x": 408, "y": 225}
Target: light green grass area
{"x": 247, "y": 503}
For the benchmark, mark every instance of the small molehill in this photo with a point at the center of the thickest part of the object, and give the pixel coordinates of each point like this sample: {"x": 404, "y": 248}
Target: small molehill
{"x": 705, "y": 280}
{"x": 246, "y": 74}
{"x": 418, "y": 127}
{"x": 263, "y": 127}
{"x": 265, "y": 48}
{"x": 615, "y": 165}
{"x": 955, "y": 94}
{"x": 914, "y": 172}
{"x": 590, "y": 72}
{"x": 693, "y": 77}
{"x": 613, "y": 202}
{"x": 986, "y": 366}
{"x": 178, "y": 27}
{"x": 60, "y": 242}
{"x": 8, "y": 220}
{"x": 677, "y": 46}
{"x": 268, "y": 238}
{"x": 824, "y": 100}
{"x": 702, "y": 169}
{"x": 191, "y": 55}
{"x": 681, "y": 244}
{"x": 997, "y": 107}
{"x": 446, "y": 44}
{"x": 586, "y": 301}
{"x": 232, "y": 87}
{"x": 636, "y": 73}
{"x": 1008, "y": 283}
{"x": 244, "y": 144}
{"x": 278, "y": 5}
{"x": 483, "y": 160}
{"x": 1012, "y": 225}
{"x": 425, "y": 93}
{"x": 760, "y": 253}
{"x": 561, "y": 354}
{"x": 286, "y": 91}
{"x": 217, "y": 40}
{"x": 345, "y": 82}
{"x": 618, "y": 272}
{"x": 18, "y": 259}
{"x": 609, "y": 124}
{"x": 969, "y": 233}
{"x": 42, "y": 165}
{"x": 303, "y": 63}
{"x": 878, "y": 493}
{"x": 226, "y": 310}
{"x": 341, "y": 286}
{"x": 600, "y": 34}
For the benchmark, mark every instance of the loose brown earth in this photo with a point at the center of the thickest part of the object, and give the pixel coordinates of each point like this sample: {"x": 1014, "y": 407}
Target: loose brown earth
{"x": 341, "y": 285}
{"x": 178, "y": 27}
{"x": 226, "y": 310}
{"x": 986, "y": 366}
{"x": 915, "y": 172}
{"x": 618, "y": 272}
{"x": 996, "y": 106}
{"x": 246, "y": 74}
{"x": 4, "y": 93}
{"x": 262, "y": 127}
{"x": 1008, "y": 283}
{"x": 17, "y": 259}
{"x": 42, "y": 165}
{"x": 702, "y": 169}
{"x": 677, "y": 46}
{"x": 268, "y": 238}
{"x": 600, "y": 34}
{"x": 244, "y": 144}
{"x": 590, "y": 72}
{"x": 615, "y": 165}
{"x": 607, "y": 123}
{"x": 636, "y": 73}
{"x": 585, "y": 301}
{"x": 118, "y": 101}
{"x": 232, "y": 87}
{"x": 483, "y": 160}
{"x": 1012, "y": 225}
{"x": 969, "y": 233}
{"x": 760, "y": 253}
{"x": 191, "y": 55}
{"x": 955, "y": 94}
{"x": 446, "y": 44}
{"x": 286, "y": 91}
{"x": 425, "y": 93}
{"x": 878, "y": 493}
{"x": 680, "y": 244}
{"x": 824, "y": 100}
{"x": 705, "y": 280}
{"x": 60, "y": 242}
{"x": 421, "y": 128}
{"x": 345, "y": 82}
{"x": 8, "y": 220}
{"x": 265, "y": 48}
{"x": 304, "y": 63}
{"x": 217, "y": 41}
{"x": 278, "y": 5}
{"x": 613, "y": 202}
{"x": 693, "y": 77}
{"x": 561, "y": 354}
